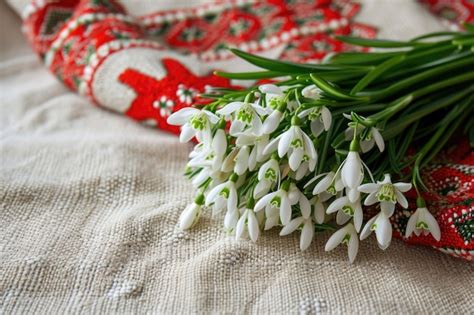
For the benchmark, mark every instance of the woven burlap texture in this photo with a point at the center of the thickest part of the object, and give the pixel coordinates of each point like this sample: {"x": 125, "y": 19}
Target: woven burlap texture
{"x": 89, "y": 205}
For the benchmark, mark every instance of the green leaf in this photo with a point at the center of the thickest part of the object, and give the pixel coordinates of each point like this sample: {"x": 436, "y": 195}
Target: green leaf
{"x": 285, "y": 66}
{"x": 376, "y": 72}
{"x": 433, "y": 35}
{"x": 334, "y": 91}
{"x": 378, "y": 43}
{"x": 469, "y": 27}
{"x": 356, "y": 58}
{"x": 250, "y": 75}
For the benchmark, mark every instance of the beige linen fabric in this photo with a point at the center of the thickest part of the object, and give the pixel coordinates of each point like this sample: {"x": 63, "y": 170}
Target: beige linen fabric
{"x": 89, "y": 205}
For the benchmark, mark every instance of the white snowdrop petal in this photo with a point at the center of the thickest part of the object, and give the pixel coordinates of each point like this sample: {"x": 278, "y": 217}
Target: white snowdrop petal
{"x": 252, "y": 163}
{"x": 240, "y": 227}
{"x": 383, "y": 230}
{"x": 307, "y": 234}
{"x": 367, "y": 145}
{"x": 245, "y": 139}
{"x": 182, "y": 116}
{"x": 353, "y": 248}
{"x": 323, "y": 184}
{"x": 378, "y": 139}
{"x": 228, "y": 163}
{"x": 342, "y": 217}
{"x": 264, "y": 201}
{"x": 371, "y": 199}
{"x": 285, "y": 210}
{"x": 369, "y": 188}
{"x": 284, "y": 143}
{"x": 367, "y": 230}
{"x": 257, "y": 126}
{"x": 432, "y": 224}
{"x": 326, "y": 117}
{"x": 236, "y": 127}
{"x": 271, "y": 222}
{"x": 410, "y": 228}
{"x": 291, "y": 226}
{"x": 188, "y": 217}
{"x": 200, "y": 178}
{"x": 353, "y": 194}
{"x": 295, "y": 159}
{"x": 261, "y": 188}
{"x": 233, "y": 199}
{"x": 387, "y": 208}
{"x": 272, "y": 145}
{"x": 187, "y": 133}
{"x": 272, "y": 122}
{"x": 305, "y": 207}
{"x": 211, "y": 196}
{"x": 335, "y": 239}
{"x": 337, "y": 204}
{"x": 211, "y": 116}
{"x": 230, "y": 108}
{"x": 219, "y": 143}
{"x": 403, "y": 187}
{"x": 301, "y": 171}
{"x": 319, "y": 213}
{"x": 242, "y": 162}
{"x": 309, "y": 146}
{"x": 351, "y": 173}
{"x": 253, "y": 227}
{"x": 230, "y": 219}
{"x": 270, "y": 88}
{"x": 316, "y": 127}
{"x": 305, "y": 113}
{"x": 402, "y": 200}
{"x": 358, "y": 217}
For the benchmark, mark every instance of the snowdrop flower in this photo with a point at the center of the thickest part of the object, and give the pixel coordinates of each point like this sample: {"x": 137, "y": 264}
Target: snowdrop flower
{"x": 319, "y": 212}
{"x": 423, "y": 221}
{"x": 246, "y": 116}
{"x": 272, "y": 217}
{"x": 258, "y": 142}
{"x": 330, "y": 183}
{"x": 346, "y": 210}
{"x": 352, "y": 174}
{"x": 194, "y": 122}
{"x": 374, "y": 137}
{"x": 296, "y": 144}
{"x": 242, "y": 160}
{"x": 306, "y": 165}
{"x": 307, "y": 232}
{"x": 280, "y": 200}
{"x": 210, "y": 155}
{"x": 191, "y": 213}
{"x": 247, "y": 225}
{"x": 346, "y": 235}
{"x": 311, "y": 91}
{"x": 275, "y": 99}
{"x": 386, "y": 193}
{"x": 229, "y": 161}
{"x": 224, "y": 195}
{"x": 230, "y": 220}
{"x": 268, "y": 175}
{"x": 382, "y": 227}
{"x": 320, "y": 118}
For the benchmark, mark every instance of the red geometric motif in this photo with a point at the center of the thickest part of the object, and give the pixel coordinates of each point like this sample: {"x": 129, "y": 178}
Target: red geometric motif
{"x": 176, "y": 90}
{"x": 455, "y": 12}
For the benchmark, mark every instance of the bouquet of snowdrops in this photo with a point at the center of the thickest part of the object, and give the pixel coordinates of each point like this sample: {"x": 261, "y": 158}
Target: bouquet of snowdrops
{"x": 309, "y": 152}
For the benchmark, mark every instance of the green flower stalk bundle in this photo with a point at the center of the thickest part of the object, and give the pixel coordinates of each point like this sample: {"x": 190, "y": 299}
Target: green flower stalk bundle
{"x": 311, "y": 151}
